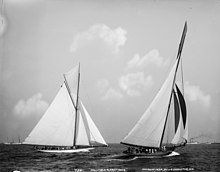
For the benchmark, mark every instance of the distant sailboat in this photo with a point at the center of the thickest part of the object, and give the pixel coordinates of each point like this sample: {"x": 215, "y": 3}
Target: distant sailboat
{"x": 7, "y": 143}
{"x": 192, "y": 142}
{"x": 66, "y": 126}
{"x": 164, "y": 125}
{"x": 17, "y": 143}
{"x": 13, "y": 142}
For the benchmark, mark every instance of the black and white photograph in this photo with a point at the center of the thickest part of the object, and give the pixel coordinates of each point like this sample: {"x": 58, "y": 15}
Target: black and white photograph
{"x": 109, "y": 85}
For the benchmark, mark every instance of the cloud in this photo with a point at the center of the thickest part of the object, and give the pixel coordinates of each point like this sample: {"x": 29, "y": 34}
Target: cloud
{"x": 108, "y": 93}
{"x": 153, "y": 57}
{"x": 112, "y": 94}
{"x": 112, "y": 38}
{"x": 132, "y": 83}
{"x": 33, "y": 105}
{"x": 195, "y": 94}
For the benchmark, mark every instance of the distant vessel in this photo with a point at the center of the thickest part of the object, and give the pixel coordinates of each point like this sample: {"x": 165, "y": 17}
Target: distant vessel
{"x": 17, "y": 143}
{"x": 200, "y": 139}
{"x": 66, "y": 126}
{"x": 12, "y": 142}
{"x": 164, "y": 125}
{"x": 192, "y": 142}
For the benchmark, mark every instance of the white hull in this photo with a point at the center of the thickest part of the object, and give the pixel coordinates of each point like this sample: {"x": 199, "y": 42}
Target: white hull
{"x": 67, "y": 151}
{"x": 12, "y": 143}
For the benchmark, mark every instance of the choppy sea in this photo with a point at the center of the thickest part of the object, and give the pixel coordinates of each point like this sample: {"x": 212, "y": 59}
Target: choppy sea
{"x": 200, "y": 157}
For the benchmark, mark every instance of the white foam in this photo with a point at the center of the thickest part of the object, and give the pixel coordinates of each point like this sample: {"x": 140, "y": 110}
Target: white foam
{"x": 131, "y": 159}
{"x": 119, "y": 157}
{"x": 173, "y": 153}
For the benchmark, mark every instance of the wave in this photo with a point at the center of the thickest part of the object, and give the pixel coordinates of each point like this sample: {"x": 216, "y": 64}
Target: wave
{"x": 131, "y": 158}
{"x": 173, "y": 154}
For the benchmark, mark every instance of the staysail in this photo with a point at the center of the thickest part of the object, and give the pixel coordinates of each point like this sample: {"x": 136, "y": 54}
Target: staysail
{"x": 93, "y": 133}
{"x": 176, "y": 111}
{"x": 181, "y": 122}
{"x": 184, "y": 117}
{"x": 66, "y": 122}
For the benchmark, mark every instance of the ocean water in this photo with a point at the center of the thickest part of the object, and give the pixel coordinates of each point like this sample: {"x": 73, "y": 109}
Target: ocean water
{"x": 201, "y": 157}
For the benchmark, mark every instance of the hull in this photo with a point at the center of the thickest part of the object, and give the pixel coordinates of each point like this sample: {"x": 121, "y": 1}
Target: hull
{"x": 156, "y": 154}
{"x": 192, "y": 143}
{"x": 67, "y": 150}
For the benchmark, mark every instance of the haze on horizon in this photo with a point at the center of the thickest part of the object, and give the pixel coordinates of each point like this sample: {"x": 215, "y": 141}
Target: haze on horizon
{"x": 125, "y": 49}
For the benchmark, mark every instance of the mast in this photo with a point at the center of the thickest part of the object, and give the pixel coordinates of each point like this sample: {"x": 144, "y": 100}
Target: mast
{"x": 77, "y": 102}
{"x": 75, "y": 105}
{"x": 178, "y": 58}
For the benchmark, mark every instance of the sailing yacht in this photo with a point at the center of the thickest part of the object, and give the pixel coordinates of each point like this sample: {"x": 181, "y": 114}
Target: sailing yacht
{"x": 16, "y": 143}
{"x": 66, "y": 126}
{"x": 164, "y": 125}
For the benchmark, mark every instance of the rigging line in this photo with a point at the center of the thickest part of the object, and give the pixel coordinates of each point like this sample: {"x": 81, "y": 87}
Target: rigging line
{"x": 182, "y": 77}
{"x": 87, "y": 97}
{"x": 2, "y": 7}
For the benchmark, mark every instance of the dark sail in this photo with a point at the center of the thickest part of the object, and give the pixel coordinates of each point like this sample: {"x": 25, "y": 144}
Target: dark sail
{"x": 182, "y": 41}
{"x": 176, "y": 111}
{"x": 182, "y": 105}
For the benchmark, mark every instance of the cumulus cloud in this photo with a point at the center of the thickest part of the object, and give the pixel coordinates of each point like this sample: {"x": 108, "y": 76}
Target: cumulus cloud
{"x": 195, "y": 94}
{"x": 33, "y": 105}
{"x": 153, "y": 57}
{"x": 112, "y": 38}
{"x": 107, "y": 92}
{"x": 132, "y": 83}
{"x": 112, "y": 94}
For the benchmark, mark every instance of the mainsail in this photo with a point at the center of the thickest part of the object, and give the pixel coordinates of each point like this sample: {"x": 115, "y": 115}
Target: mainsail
{"x": 66, "y": 122}
{"x": 150, "y": 129}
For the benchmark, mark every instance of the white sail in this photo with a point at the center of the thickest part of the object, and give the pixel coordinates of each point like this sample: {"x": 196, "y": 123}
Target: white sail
{"x": 170, "y": 126}
{"x": 148, "y": 130}
{"x": 82, "y": 136}
{"x": 56, "y": 127}
{"x": 94, "y": 134}
{"x": 185, "y": 133}
{"x": 177, "y": 136}
{"x": 181, "y": 133}
{"x": 72, "y": 80}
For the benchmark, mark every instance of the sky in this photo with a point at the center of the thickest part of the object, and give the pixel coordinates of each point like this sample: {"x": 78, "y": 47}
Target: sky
{"x": 125, "y": 49}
